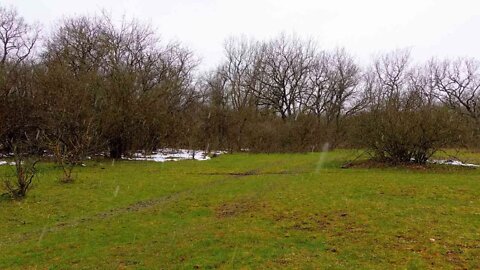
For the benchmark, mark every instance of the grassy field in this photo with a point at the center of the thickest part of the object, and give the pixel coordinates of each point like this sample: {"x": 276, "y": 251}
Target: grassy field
{"x": 246, "y": 211}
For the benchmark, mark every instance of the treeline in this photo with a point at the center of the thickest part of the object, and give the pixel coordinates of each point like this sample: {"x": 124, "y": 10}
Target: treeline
{"x": 94, "y": 86}
{"x": 286, "y": 95}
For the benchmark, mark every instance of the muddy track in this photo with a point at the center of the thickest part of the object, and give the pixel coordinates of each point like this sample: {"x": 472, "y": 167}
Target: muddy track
{"x": 253, "y": 172}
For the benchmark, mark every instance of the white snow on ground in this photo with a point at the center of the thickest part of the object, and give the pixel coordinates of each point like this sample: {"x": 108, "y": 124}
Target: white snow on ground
{"x": 163, "y": 155}
{"x": 6, "y": 163}
{"x": 167, "y": 154}
{"x": 454, "y": 163}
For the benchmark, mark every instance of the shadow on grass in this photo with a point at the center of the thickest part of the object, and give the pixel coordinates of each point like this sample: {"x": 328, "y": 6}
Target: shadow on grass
{"x": 375, "y": 164}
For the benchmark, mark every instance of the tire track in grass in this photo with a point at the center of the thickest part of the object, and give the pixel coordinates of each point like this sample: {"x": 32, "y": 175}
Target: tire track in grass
{"x": 134, "y": 207}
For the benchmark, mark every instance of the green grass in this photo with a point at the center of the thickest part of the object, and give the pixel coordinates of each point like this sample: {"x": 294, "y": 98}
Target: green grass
{"x": 245, "y": 211}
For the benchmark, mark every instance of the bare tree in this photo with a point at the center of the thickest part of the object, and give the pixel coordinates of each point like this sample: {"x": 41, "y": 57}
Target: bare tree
{"x": 237, "y": 78}
{"x": 343, "y": 98}
{"x": 21, "y": 123}
{"x": 285, "y": 64}
{"x": 239, "y": 70}
{"x": 458, "y": 85}
{"x": 317, "y": 96}
{"x": 17, "y": 38}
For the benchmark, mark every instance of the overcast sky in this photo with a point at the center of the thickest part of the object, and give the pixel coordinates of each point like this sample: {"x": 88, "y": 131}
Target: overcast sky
{"x": 443, "y": 28}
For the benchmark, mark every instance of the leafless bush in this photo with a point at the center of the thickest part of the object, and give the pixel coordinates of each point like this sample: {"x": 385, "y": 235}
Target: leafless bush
{"x": 25, "y": 170}
{"x": 404, "y": 122}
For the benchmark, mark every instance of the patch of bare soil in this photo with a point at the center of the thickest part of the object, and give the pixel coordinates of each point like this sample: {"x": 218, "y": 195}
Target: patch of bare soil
{"x": 239, "y": 207}
{"x": 336, "y": 222}
{"x": 252, "y": 172}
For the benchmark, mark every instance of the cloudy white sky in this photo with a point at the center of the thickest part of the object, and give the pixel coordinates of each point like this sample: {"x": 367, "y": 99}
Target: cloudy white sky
{"x": 443, "y": 28}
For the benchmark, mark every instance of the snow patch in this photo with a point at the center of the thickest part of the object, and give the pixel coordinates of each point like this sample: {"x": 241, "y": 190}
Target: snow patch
{"x": 2, "y": 162}
{"x": 163, "y": 155}
{"x": 453, "y": 163}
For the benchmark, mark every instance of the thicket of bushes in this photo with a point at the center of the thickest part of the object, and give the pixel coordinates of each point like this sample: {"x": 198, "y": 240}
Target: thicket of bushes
{"x": 94, "y": 86}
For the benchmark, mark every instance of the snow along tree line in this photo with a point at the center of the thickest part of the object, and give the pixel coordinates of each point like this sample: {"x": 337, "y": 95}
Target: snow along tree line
{"x": 93, "y": 86}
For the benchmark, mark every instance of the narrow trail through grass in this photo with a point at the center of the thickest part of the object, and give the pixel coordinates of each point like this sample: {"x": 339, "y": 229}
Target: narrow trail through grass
{"x": 135, "y": 207}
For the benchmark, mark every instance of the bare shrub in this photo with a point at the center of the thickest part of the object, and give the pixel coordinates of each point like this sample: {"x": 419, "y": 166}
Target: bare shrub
{"x": 404, "y": 122}
{"x": 25, "y": 170}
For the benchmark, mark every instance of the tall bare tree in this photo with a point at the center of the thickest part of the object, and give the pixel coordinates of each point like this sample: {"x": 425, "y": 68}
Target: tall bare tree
{"x": 285, "y": 64}
{"x": 21, "y": 125}
{"x": 458, "y": 84}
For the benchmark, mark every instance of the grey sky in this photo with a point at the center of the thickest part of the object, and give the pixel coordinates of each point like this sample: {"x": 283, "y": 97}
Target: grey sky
{"x": 443, "y": 28}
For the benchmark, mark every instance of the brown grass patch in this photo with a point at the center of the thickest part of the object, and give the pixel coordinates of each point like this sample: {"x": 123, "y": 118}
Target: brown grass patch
{"x": 239, "y": 207}
{"x": 336, "y": 222}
